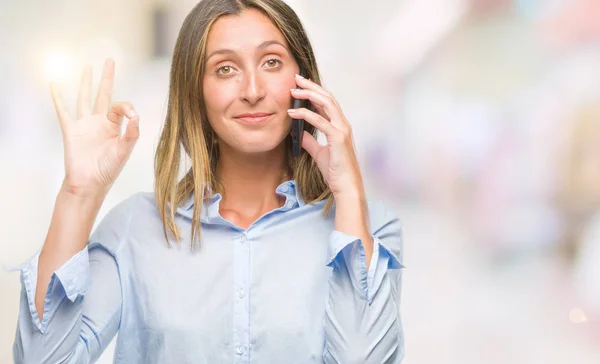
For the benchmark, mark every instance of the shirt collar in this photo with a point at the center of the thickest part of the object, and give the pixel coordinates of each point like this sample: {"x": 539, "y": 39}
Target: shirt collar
{"x": 211, "y": 207}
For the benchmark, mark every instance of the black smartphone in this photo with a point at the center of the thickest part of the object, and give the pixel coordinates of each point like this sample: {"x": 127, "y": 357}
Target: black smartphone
{"x": 298, "y": 124}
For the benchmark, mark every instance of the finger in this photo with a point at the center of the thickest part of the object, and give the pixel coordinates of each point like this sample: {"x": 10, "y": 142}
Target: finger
{"x": 315, "y": 120}
{"x": 329, "y": 108}
{"x": 106, "y": 86}
{"x": 310, "y": 144}
{"x": 301, "y": 81}
{"x": 59, "y": 105}
{"x": 120, "y": 109}
{"x": 130, "y": 138}
{"x": 310, "y": 85}
{"x": 319, "y": 110}
{"x": 83, "y": 98}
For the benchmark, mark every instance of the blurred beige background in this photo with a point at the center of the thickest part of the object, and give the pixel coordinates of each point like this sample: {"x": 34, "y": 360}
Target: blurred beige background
{"x": 478, "y": 120}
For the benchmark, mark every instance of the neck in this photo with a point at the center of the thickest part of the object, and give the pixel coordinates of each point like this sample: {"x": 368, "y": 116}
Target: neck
{"x": 249, "y": 181}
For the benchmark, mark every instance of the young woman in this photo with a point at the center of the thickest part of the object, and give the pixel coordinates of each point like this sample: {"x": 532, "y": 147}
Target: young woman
{"x": 254, "y": 256}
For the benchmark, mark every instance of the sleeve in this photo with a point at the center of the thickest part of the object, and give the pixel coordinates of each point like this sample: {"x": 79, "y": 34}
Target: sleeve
{"x": 82, "y": 307}
{"x": 362, "y": 314}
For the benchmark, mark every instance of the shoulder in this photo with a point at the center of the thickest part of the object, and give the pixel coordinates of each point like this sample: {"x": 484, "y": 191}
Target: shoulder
{"x": 113, "y": 227}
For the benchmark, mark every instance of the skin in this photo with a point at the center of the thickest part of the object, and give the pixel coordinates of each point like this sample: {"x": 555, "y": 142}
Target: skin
{"x": 258, "y": 77}
{"x": 259, "y": 74}
{"x": 255, "y": 77}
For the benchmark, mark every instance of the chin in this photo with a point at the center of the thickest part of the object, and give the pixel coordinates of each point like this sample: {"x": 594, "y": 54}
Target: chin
{"x": 260, "y": 145}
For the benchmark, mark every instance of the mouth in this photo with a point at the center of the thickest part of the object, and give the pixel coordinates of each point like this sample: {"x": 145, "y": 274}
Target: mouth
{"x": 253, "y": 118}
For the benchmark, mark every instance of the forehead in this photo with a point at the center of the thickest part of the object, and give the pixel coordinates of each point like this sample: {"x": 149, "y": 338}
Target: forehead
{"x": 247, "y": 29}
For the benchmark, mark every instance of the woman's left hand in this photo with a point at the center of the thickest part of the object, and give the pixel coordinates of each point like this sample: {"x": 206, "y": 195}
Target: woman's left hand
{"x": 337, "y": 160}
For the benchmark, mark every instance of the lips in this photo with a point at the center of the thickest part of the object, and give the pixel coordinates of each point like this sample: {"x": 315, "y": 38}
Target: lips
{"x": 253, "y": 118}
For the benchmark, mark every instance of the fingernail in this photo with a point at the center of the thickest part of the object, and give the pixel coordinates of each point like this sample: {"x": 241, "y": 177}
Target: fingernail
{"x": 131, "y": 114}
{"x": 295, "y": 89}
{"x": 299, "y": 75}
{"x": 291, "y": 110}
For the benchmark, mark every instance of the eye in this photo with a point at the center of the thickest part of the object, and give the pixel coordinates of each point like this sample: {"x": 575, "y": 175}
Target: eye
{"x": 225, "y": 70}
{"x": 273, "y": 62}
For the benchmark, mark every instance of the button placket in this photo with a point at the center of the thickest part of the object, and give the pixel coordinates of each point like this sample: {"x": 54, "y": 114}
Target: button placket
{"x": 241, "y": 251}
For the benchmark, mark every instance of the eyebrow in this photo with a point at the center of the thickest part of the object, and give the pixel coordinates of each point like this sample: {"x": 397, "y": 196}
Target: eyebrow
{"x": 264, "y": 44}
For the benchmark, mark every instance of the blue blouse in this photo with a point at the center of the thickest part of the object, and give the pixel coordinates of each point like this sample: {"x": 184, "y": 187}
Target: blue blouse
{"x": 289, "y": 289}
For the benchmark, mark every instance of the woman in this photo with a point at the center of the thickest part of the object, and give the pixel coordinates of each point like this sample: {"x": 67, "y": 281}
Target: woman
{"x": 265, "y": 259}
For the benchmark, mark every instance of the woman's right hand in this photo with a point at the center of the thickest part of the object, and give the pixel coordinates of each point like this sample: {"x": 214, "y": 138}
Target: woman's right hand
{"x": 95, "y": 151}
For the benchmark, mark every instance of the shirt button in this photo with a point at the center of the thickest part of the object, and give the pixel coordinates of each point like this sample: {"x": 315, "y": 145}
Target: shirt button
{"x": 284, "y": 188}
{"x": 241, "y": 293}
{"x": 243, "y": 239}
{"x": 240, "y": 350}
{"x": 289, "y": 204}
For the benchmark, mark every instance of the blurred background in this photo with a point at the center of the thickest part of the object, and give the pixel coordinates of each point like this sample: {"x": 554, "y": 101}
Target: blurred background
{"x": 478, "y": 120}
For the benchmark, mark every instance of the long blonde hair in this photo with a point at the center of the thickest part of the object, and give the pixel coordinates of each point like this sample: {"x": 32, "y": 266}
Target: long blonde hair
{"x": 187, "y": 126}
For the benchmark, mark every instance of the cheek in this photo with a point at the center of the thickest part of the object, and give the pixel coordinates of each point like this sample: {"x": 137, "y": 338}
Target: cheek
{"x": 282, "y": 94}
{"x": 216, "y": 98}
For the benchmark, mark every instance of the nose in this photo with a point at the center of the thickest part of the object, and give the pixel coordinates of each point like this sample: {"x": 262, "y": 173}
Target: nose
{"x": 252, "y": 88}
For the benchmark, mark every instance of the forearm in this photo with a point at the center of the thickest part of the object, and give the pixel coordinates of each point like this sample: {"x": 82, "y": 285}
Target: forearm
{"x": 352, "y": 218}
{"x": 363, "y": 325}
{"x": 363, "y": 322}
{"x": 72, "y": 222}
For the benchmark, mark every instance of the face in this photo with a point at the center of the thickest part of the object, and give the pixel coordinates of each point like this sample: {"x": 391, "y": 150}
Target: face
{"x": 248, "y": 76}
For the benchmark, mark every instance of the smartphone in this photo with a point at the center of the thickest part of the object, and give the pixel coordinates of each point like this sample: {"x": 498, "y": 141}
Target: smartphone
{"x": 298, "y": 124}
